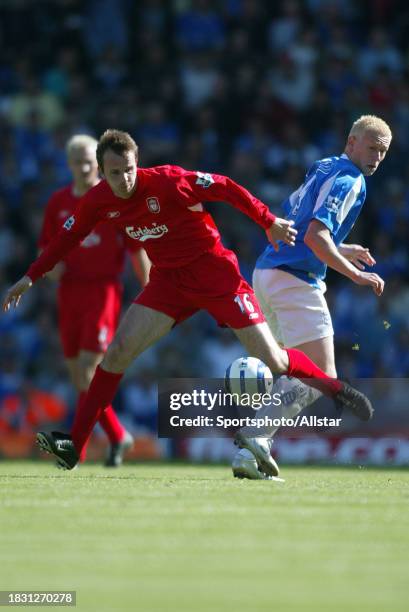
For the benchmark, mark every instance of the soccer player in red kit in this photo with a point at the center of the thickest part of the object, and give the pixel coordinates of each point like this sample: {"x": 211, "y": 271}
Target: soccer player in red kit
{"x": 162, "y": 208}
{"x": 89, "y": 287}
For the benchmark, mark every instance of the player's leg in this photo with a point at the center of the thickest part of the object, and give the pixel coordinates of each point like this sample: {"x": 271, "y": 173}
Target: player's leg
{"x": 294, "y": 311}
{"x": 69, "y": 327}
{"x": 139, "y": 329}
{"x": 259, "y": 342}
{"x": 241, "y": 312}
{"x": 72, "y": 368}
{"x": 70, "y": 324}
{"x": 120, "y": 439}
{"x": 97, "y": 320}
{"x": 87, "y": 362}
{"x": 321, "y": 351}
{"x": 81, "y": 371}
{"x": 151, "y": 316}
{"x": 99, "y": 324}
{"x": 281, "y": 297}
{"x": 89, "y": 315}
{"x": 298, "y": 314}
{"x": 74, "y": 372}
{"x": 295, "y": 394}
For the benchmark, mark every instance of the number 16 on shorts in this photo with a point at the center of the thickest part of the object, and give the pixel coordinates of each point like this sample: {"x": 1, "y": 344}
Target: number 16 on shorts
{"x": 246, "y": 305}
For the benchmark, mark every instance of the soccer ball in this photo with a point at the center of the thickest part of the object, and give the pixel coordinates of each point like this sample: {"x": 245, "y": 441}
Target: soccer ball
{"x": 248, "y": 375}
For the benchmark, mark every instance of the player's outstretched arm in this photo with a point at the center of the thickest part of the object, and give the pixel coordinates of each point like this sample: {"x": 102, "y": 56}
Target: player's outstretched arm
{"x": 318, "y": 239}
{"x": 15, "y": 292}
{"x": 55, "y": 273}
{"x": 282, "y": 230}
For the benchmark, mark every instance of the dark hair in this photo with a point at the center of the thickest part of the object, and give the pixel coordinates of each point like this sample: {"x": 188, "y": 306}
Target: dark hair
{"x": 116, "y": 141}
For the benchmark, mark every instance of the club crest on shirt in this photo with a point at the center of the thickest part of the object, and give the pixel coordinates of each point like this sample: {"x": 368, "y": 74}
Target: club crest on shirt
{"x": 153, "y": 204}
{"x": 112, "y": 214}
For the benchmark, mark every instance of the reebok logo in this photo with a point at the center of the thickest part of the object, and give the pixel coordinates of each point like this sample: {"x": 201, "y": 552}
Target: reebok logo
{"x": 146, "y": 233}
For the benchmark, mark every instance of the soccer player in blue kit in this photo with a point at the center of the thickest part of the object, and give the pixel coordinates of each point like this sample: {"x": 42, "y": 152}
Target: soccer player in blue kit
{"x": 289, "y": 283}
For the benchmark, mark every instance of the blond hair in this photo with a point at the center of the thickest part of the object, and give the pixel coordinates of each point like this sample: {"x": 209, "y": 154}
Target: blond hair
{"x": 80, "y": 141}
{"x": 370, "y": 123}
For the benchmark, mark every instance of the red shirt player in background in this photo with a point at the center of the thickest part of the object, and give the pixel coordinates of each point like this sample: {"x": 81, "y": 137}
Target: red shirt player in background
{"x": 162, "y": 209}
{"x": 89, "y": 289}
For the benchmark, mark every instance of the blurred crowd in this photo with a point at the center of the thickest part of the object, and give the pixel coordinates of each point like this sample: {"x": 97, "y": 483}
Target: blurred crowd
{"x": 253, "y": 89}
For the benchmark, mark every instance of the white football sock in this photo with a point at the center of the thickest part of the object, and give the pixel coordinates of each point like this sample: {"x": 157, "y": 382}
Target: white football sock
{"x": 295, "y": 396}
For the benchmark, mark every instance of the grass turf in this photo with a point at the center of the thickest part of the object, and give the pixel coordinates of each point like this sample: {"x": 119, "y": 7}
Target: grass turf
{"x": 182, "y": 538}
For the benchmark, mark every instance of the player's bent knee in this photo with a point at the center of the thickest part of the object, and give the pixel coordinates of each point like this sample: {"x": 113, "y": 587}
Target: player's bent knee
{"x": 84, "y": 378}
{"x": 86, "y": 366}
{"x": 73, "y": 372}
{"x": 118, "y": 356}
{"x": 279, "y": 362}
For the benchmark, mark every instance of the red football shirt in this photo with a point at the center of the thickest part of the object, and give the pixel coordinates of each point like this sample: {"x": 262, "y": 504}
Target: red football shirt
{"x": 164, "y": 215}
{"x": 99, "y": 256}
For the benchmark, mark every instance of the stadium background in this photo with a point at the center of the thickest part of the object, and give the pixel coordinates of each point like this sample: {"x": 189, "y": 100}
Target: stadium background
{"x": 253, "y": 89}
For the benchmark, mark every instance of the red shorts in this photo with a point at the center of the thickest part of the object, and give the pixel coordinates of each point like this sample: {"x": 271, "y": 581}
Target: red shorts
{"x": 88, "y": 314}
{"x": 212, "y": 282}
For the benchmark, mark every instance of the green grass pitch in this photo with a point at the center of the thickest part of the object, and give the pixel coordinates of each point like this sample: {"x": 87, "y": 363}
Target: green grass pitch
{"x": 180, "y": 538}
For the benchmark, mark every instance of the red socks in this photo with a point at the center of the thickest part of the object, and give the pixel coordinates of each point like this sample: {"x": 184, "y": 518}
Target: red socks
{"x": 80, "y": 401}
{"x": 301, "y": 366}
{"x": 111, "y": 425}
{"x": 99, "y": 397}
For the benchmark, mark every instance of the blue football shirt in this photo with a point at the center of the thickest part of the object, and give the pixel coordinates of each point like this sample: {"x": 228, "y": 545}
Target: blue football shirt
{"x": 333, "y": 192}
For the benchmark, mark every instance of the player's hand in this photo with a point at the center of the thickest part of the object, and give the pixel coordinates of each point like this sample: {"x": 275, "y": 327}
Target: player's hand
{"x": 370, "y": 279}
{"x": 15, "y": 292}
{"x": 282, "y": 230}
{"x": 56, "y": 273}
{"x": 358, "y": 255}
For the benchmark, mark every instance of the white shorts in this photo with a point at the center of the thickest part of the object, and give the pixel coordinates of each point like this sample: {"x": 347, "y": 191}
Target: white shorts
{"x": 295, "y": 311}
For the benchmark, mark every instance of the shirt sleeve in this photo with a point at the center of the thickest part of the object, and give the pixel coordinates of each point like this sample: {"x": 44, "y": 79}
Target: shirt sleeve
{"x": 196, "y": 187}
{"x": 70, "y": 234}
{"x": 335, "y": 200}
